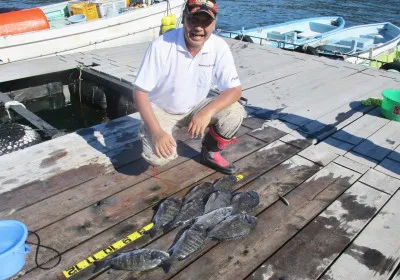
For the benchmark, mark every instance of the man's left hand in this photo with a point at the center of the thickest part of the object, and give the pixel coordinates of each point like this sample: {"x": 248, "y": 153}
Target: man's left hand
{"x": 198, "y": 124}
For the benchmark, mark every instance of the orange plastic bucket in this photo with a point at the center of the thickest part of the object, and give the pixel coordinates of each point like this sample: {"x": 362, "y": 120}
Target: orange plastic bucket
{"x": 23, "y": 21}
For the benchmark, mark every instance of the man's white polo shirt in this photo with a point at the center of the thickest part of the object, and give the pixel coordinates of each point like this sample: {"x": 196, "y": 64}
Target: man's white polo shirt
{"x": 176, "y": 81}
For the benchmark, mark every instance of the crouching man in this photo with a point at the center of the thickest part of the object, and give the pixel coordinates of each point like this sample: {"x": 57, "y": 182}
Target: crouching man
{"x": 172, "y": 85}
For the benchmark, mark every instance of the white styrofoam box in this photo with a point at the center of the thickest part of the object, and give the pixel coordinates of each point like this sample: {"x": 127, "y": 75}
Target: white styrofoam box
{"x": 103, "y": 7}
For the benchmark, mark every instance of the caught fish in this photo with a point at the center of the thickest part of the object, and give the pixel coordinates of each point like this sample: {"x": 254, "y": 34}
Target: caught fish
{"x": 209, "y": 220}
{"x": 225, "y": 183}
{"x": 199, "y": 192}
{"x": 188, "y": 212}
{"x": 189, "y": 242}
{"x": 233, "y": 227}
{"x": 166, "y": 212}
{"x": 218, "y": 199}
{"x": 137, "y": 261}
{"x": 245, "y": 202}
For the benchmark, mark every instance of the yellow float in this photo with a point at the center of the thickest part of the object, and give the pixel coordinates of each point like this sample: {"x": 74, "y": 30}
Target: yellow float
{"x": 168, "y": 23}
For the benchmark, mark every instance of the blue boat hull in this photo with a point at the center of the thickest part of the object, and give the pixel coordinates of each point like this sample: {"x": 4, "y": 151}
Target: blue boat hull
{"x": 289, "y": 35}
{"x": 363, "y": 41}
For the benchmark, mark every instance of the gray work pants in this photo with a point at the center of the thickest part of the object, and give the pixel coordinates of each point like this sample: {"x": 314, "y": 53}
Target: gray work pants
{"x": 226, "y": 122}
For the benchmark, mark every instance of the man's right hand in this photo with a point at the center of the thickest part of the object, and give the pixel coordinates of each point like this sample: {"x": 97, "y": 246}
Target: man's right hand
{"x": 163, "y": 143}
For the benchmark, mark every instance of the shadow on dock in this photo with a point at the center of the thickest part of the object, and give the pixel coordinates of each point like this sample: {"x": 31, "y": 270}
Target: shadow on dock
{"x": 125, "y": 154}
{"x": 315, "y": 131}
{"x": 127, "y": 159}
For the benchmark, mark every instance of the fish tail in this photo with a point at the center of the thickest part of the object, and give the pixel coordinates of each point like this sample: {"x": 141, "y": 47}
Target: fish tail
{"x": 166, "y": 265}
{"x": 170, "y": 226}
{"x": 100, "y": 265}
{"x": 152, "y": 232}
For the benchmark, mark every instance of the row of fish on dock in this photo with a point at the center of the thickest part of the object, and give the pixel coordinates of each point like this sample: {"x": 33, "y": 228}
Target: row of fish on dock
{"x": 209, "y": 211}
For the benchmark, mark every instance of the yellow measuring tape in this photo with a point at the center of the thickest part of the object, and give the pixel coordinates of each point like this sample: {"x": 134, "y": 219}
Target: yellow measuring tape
{"x": 112, "y": 248}
{"x": 107, "y": 251}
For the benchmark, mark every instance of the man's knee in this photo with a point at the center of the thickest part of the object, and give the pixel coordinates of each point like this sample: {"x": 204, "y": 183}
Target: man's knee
{"x": 238, "y": 110}
{"x": 235, "y": 113}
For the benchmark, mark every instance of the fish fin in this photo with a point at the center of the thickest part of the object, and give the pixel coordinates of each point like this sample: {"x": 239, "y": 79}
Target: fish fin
{"x": 166, "y": 266}
{"x": 171, "y": 250}
{"x": 176, "y": 200}
{"x": 181, "y": 258}
{"x": 100, "y": 265}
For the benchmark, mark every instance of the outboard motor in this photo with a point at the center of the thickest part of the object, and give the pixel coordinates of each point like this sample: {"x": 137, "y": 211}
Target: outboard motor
{"x": 244, "y": 38}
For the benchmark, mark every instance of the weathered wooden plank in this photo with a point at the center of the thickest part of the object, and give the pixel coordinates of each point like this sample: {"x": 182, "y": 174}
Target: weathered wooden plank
{"x": 74, "y": 199}
{"x": 362, "y": 128}
{"x": 86, "y": 223}
{"x": 266, "y": 158}
{"x": 335, "y": 146}
{"x": 382, "y": 73}
{"x": 351, "y": 164}
{"x": 116, "y": 181}
{"x": 103, "y": 240}
{"x": 278, "y": 181}
{"x": 109, "y": 210}
{"x": 375, "y": 253}
{"x": 380, "y": 181}
{"x": 389, "y": 167}
{"x": 273, "y": 65}
{"x": 395, "y": 155}
{"x": 361, "y": 159}
{"x": 327, "y": 98}
{"x": 351, "y": 110}
{"x": 335, "y": 120}
{"x": 267, "y": 134}
{"x": 90, "y": 145}
{"x": 39, "y": 190}
{"x": 253, "y": 122}
{"x": 293, "y": 88}
{"x": 298, "y": 139}
{"x": 310, "y": 252}
{"x": 318, "y": 154}
{"x": 98, "y": 133}
{"x": 381, "y": 143}
{"x": 238, "y": 258}
{"x": 66, "y": 159}
{"x": 283, "y": 126}
{"x": 136, "y": 50}
{"x": 24, "y": 69}
{"x": 325, "y": 151}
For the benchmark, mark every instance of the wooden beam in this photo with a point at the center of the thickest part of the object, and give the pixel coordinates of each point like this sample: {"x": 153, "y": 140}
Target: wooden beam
{"x": 30, "y": 117}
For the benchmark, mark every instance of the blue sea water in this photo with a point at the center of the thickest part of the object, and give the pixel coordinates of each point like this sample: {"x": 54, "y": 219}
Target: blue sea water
{"x": 255, "y": 13}
{"x": 235, "y": 14}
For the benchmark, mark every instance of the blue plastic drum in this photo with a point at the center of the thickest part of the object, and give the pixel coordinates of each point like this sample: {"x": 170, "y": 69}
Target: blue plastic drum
{"x": 13, "y": 249}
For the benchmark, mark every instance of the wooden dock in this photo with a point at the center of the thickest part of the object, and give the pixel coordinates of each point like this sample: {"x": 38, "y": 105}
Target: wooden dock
{"x": 307, "y": 138}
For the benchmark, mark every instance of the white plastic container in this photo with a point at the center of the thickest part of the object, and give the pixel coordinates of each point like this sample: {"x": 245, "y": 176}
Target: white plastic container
{"x": 118, "y": 5}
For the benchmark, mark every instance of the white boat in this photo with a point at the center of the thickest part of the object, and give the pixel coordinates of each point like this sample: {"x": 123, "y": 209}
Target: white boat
{"x": 127, "y": 27}
{"x": 288, "y": 35}
{"x": 358, "y": 44}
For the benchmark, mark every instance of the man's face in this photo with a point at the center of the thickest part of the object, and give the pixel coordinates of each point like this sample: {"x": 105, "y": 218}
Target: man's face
{"x": 198, "y": 28}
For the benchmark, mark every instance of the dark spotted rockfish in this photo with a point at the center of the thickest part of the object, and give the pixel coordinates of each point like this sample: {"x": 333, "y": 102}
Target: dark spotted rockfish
{"x": 165, "y": 214}
{"x": 137, "y": 261}
{"x": 190, "y": 241}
